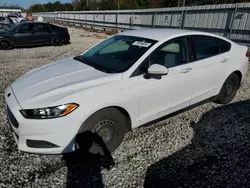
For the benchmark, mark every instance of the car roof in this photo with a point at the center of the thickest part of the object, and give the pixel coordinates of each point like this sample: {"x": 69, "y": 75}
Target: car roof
{"x": 162, "y": 34}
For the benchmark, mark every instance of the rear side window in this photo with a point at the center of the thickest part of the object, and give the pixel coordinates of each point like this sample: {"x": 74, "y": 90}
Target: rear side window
{"x": 54, "y": 27}
{"x": 42, "y": 27}
{"x": 1, "y": 18}
{"x": 224, "y": 45}
{"x": 205, "y": 47}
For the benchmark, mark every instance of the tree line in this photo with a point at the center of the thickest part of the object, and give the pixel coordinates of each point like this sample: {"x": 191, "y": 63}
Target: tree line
{"x": 78, "y": 5}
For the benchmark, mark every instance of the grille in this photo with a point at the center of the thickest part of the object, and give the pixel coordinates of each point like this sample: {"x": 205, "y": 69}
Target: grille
{"x": 40, "y": 144}
{"x": 12, "y": 118}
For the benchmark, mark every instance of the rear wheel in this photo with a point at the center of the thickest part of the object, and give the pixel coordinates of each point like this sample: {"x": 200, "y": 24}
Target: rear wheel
{"x": 57, "y": 41}
{"x": 5, "y": 44}
{"x": 229, "y": 89}
{"x": 108, "y": 124}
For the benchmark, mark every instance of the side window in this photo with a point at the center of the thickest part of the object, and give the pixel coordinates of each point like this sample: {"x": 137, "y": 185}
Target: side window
{"x": 172, "y": 53}
{"x": 53, "y": 27}
{"x": 26, "y": 28}
{"x": 205, "y": 47}
{"x": 42, "y": 27}
{"x": 224, "y": 45}
{"x": 115, "y": 47}
{"x": 1, "y": 18}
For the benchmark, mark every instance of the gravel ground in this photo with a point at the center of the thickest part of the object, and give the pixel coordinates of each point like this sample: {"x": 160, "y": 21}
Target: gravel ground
{"x": 207, "y": 146}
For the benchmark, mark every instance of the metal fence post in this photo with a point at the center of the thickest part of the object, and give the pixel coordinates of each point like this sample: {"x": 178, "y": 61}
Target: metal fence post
{"x": 183, "y": 19}
{"x": 132, "y": 20}
{"x": 103, "y": 18}
{"x": 74, "y": 19}
{"x": 153, "y": 19}
{"x": 232, "y": 22}
{"x": 94, "y": 20}
{"x": 116, "y": 18}
{"x": 182, "y": 16}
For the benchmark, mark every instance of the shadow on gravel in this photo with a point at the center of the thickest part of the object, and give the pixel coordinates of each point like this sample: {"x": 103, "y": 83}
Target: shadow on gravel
{"x": 217, "y": 157}
{"x": 84, "y": 168}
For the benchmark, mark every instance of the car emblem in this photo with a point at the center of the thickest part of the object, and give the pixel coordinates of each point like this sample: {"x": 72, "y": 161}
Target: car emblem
{"x": 8, "y": 95}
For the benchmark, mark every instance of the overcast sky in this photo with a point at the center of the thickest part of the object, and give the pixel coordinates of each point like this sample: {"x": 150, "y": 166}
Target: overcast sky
{"x": 27, "y": 3}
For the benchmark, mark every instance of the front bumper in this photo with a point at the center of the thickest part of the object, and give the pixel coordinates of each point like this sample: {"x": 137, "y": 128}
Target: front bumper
{"x": 46, "y": 136}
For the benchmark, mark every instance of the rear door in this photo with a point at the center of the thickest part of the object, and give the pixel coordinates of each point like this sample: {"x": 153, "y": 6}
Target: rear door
{"x": 43, "y": 33}
{"x": 25, "y": 35}
{"x": 210, "y": 61}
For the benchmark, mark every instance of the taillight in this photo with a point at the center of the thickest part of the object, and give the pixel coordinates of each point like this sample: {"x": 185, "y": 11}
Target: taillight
{"x": 247, "y": 54}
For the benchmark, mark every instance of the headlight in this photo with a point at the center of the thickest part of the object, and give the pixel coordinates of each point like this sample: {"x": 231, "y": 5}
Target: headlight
{"x": 49, "y": 112}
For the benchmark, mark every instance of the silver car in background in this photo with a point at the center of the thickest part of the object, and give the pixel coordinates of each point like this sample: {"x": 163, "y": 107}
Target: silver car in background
{"x": 16, "y": 19}
{"x": 6, "y": 23}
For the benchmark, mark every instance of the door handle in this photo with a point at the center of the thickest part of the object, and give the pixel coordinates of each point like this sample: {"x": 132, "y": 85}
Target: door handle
{"x": 186, "y": 70}
{"x": 224, "y": 60}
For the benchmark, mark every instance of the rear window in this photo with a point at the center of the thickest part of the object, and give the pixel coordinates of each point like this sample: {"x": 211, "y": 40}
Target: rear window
{"x": 42, "y": 27}
{"x": 224, "y": 45}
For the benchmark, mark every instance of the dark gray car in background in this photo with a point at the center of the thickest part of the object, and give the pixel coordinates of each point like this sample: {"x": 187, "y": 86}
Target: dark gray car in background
{"x": 33, "y": 34}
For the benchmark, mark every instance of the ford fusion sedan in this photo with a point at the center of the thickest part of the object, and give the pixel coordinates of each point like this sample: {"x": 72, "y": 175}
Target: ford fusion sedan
{"x": 33, "y": 34}
{"x": 121, "y": 83}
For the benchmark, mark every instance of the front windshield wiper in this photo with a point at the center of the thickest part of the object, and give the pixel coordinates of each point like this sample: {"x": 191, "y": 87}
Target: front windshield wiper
{"x": 94, "y": 65}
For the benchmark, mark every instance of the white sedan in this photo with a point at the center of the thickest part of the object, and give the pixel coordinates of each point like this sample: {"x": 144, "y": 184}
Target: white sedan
{"x": 123, "y": 82}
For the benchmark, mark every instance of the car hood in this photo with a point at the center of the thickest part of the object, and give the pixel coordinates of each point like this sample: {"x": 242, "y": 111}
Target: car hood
{"x": 41, "y": 87}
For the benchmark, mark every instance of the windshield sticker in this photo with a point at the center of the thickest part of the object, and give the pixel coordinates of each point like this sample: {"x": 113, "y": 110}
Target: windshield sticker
{"x": 141, "y": 44}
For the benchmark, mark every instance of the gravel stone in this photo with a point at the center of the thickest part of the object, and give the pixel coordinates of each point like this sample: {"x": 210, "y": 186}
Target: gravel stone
{"x": 207, "y": 146}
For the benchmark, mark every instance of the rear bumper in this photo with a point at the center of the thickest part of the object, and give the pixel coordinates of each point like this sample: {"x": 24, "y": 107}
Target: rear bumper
{"x": 66, "y": 38}
{"x": 52, "y": 136}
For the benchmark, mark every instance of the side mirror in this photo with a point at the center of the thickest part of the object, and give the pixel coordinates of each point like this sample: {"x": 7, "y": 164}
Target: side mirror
{"x": 157, "y": 69}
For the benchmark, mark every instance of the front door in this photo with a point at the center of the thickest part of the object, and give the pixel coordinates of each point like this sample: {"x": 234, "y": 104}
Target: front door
{"x": 160, "y": 96}
{"x": 25, "y": 35}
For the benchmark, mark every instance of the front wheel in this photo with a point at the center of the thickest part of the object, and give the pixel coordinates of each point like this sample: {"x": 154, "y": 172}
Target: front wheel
{"x": 229, "y": 89}
{"x": 109, "y": 125}
{"x": 5, "y": 44}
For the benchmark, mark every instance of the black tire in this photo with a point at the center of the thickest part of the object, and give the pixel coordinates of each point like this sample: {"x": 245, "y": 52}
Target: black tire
{"x": 57, "y": 41}
{"x": 6, "y": 44}
{"x": 229, "y": 89}
{"x": 6, "y": 27}
{"x": 110, "y": 120}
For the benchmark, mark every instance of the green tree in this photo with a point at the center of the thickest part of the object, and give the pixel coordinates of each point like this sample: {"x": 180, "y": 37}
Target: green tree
{"x": 49, "y": 7}
{"x": 108, "y": 5}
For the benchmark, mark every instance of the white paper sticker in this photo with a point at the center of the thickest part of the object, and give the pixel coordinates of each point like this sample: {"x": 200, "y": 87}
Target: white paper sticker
{"x": 141, "y": 44}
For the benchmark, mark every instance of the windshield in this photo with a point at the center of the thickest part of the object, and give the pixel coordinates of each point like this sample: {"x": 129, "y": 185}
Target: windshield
{"x": 116, "y": 54}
